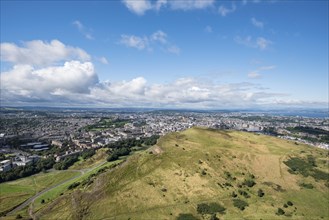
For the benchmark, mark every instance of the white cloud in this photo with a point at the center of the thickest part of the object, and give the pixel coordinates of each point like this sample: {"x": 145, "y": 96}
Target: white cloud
{"x": 159, "y": 36}
{"x": 139, "y": 43}
{"x": 208, "y": 29}
{"x": 263, "y": 43}
{"x": 257, "y": 73}
{"x": 157, "y": 39}
{"x": 159, "y": 4}
{"x": 41, "y": 53}
{"x": 139, "y": 7}
{"x": 83, "y": 30}
{"x": 260, "y": 43}
{"x": 26, "y": 82}
{"x": 257, "y": 23}
{"x": 76, "y": 84}
{"x": 223, "y": 11}
{"x": 190, "y": 4}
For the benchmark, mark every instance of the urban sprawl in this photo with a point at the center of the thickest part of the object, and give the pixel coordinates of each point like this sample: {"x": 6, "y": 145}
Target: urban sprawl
{"x": 28, "y": 136}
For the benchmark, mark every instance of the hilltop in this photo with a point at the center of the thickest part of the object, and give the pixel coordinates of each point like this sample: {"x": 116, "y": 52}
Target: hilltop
{"x": 200, "y": 173}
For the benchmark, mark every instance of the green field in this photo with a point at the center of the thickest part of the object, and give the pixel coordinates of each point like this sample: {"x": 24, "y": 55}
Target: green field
{"x": 195, "y": 173}
{"x": 15, "y": 192}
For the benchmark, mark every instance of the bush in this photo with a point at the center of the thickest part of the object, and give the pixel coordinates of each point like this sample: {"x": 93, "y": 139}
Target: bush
{"x": 249, "y": 182}
{"x": 280, "y": 211}
{"x": 112, "y": 157}
{"x": 18, "y": 216}
{"x": 73, "y": 185}
{"x": 240, "y": 204}
{"x": 306, "y": 185}
{"x": 187, "y": 216}
{"x": 260, "y": 193}
{"x": 243, "y": 193}
{"x": 211, "y": 208}
{"x": 289, "y": 203}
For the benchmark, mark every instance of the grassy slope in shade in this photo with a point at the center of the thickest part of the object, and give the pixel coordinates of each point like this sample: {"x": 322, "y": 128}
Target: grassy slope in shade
{"x": 198, "y": 166}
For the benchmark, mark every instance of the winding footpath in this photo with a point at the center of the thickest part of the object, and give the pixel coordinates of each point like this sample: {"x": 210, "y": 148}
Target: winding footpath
{"x": 33, "y": 198}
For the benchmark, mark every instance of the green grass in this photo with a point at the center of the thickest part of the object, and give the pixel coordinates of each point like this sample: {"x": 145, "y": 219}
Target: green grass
{"x": 191, "y": 168}
{"x": 51, "y": 195}
{"x": 15, "y": 192}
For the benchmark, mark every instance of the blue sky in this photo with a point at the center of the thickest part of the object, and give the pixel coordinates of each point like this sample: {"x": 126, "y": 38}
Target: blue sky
{"x": 162, "y": 53}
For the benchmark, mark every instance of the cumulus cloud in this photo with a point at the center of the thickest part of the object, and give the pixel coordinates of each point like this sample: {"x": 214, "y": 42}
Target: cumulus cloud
{"x": 41, "y": 53}
{"x": 260, "y": 42}
{"x": 26, "y": 82}
{"x": 157, "y": 39}
{"x": 83, "y": 30}
{"x": 223, "y": 11}
{"x": 257, "y": 23}
{"x": 141, "y": 6}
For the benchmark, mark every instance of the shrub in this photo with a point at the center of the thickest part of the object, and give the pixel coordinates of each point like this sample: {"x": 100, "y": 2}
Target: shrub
{"x": 306, "y": 185}
{"x": 211, "y": 208}
{"x": 249, "y": 182}
{"x": 112, "y": 157}
{"x": 73, "y": 185}
{"x": 280, "y": 212}
{"x": 285, "y": 206}
{"x": 18, "y": 216}
{"x": 260, "y": 193}
{"x": 240, "y": 204}
{"x": 243, "y": 193}
{"x": 187, "y": 216}
{"x": 290, "y": 203}
{"x": 234, "y": 194}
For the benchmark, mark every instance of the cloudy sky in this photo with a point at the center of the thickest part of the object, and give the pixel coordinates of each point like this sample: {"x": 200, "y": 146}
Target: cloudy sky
{"x": 202, "y": 54}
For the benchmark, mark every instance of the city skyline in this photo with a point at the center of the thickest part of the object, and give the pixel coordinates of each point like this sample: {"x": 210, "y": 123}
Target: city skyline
{"x": 165, "y": 54}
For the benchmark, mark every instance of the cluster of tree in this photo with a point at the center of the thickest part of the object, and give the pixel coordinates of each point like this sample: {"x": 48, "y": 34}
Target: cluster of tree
{"x": 28, "y": 170}
{"x": 66, "y": 162}
{"x": 88, "y": 153}
{"x": 270, "y": 130}
{"x": 132, "y": 142}
{"x": 123, "y": 147}
{"x": 308, "y": 130}
{"x": 116, "y": 153}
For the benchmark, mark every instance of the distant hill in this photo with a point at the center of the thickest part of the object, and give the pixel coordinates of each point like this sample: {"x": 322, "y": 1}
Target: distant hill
{"x": 207, "y": 174}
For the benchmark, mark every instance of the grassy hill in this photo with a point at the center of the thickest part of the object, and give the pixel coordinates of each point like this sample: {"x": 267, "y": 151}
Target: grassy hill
{"x": 199, "y": 173}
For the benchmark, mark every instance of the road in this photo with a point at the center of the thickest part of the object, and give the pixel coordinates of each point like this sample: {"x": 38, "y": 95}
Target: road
{"x": 33, "y": 198}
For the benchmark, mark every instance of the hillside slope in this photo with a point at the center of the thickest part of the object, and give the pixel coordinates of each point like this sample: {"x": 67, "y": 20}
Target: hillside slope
{"x": 201, "y": 172}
